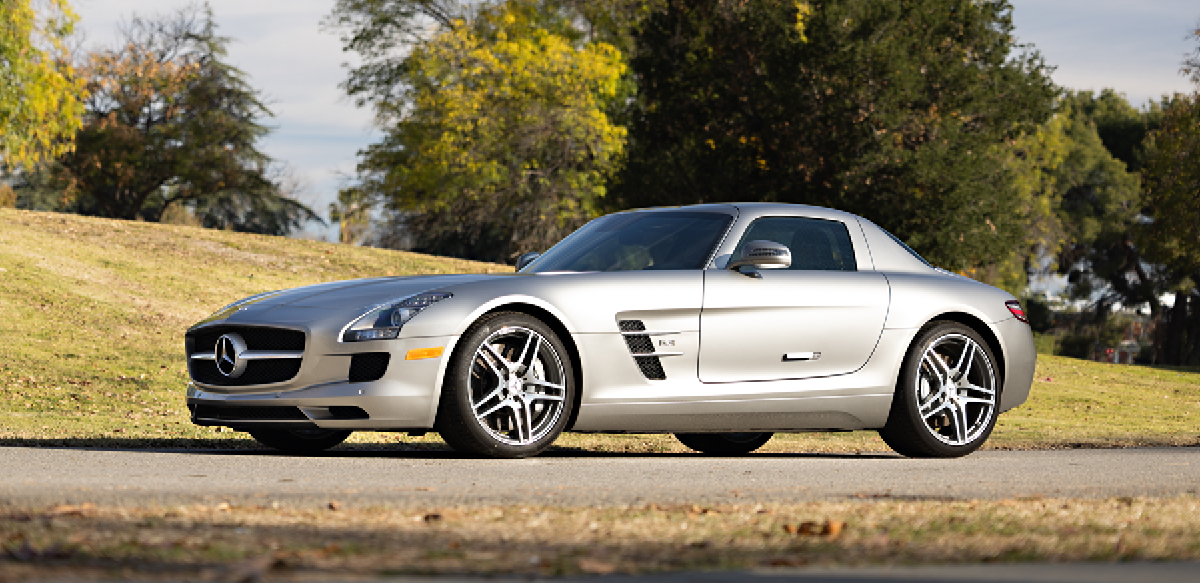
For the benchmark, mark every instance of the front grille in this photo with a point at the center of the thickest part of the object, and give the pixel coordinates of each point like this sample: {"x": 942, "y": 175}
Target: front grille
{"x": 256, "y": 337}
{"x": 258, "y": 372}
{"x": 641, "y": 344}
{"x": 222, "y": 413}
{"x": 368, "y": 366}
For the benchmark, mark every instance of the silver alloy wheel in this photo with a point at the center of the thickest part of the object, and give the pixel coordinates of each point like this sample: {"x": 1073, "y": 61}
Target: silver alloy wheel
{"x": 517, "y": 385}
{"x": 956, "y": 389}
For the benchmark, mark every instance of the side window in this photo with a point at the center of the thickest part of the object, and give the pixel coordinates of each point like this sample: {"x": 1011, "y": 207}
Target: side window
{"x": 816, "y": 244}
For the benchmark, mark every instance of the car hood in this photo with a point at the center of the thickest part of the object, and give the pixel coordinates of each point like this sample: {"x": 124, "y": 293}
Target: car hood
{"x": 362, "y": 293}
{"x": 351, "y": 295}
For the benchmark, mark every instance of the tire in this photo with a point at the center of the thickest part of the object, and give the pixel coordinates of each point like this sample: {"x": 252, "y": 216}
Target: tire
{"x": 300, "y": 440}
{"x": 947, "y": 397}
{"x": 724, "y": 443}
{"x": 509, "y": 389}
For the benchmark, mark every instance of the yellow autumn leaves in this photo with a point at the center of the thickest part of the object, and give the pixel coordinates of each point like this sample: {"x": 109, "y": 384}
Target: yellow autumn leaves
{"x": 40, "y": 95}
{"x": 509, "y": 114}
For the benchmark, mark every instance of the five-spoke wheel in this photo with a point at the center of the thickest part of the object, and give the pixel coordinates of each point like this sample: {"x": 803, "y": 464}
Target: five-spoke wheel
{"x": 946, "y": 402}
{"x": 510, "y": 388}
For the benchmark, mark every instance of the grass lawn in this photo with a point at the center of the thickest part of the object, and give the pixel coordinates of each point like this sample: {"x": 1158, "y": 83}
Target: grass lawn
{"x": 91, "y": 354}
{"x": 95, "y": 310}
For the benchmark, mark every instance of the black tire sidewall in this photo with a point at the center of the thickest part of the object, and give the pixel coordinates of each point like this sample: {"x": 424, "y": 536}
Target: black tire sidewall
{"x": 926, "y": 444}
{"x": 292, "y": 442}
{"x": 723, "y": 444}
{"x": 478, "y": 440}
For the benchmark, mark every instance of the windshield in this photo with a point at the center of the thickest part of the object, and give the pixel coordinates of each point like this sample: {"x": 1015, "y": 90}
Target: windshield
{"x": 637, "y": 241}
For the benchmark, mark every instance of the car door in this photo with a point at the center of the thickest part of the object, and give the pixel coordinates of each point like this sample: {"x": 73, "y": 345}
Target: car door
{"x": 819, "y": 317}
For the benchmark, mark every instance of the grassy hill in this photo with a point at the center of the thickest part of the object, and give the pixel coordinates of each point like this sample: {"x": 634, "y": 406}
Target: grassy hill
{"x": 94, "y": 310}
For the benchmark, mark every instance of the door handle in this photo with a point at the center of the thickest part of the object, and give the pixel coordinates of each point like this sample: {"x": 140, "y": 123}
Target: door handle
{"x": 801, "y": 356}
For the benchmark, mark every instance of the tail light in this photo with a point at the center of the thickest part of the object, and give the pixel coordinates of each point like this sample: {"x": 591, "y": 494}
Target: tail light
{"x": 1017, "y": 311}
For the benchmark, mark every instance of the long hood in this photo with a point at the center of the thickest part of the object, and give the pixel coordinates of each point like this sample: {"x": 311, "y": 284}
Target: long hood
{"x": 361, "y": 293}
{"x": 350, "y": 296}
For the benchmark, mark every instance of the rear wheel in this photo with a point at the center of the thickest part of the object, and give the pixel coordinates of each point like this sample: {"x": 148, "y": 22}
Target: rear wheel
{"x": 946, "y": 401}
{"x": 300, "y": 440}
{"x": 724, "y": 443}
{"x": 509, "y": 390}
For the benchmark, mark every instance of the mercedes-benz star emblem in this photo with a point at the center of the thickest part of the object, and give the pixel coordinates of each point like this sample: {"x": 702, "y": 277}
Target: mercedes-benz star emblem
{"x": 229, "y": 351}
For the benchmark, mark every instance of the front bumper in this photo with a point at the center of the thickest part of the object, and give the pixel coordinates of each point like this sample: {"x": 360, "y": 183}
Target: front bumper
{"x": 405, "y": 398}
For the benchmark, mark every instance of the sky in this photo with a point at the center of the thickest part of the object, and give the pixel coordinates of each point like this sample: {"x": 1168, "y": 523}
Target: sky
{"x": 1133, "y": 46}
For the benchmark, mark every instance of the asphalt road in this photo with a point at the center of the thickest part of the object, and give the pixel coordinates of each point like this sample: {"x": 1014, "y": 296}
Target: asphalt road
{"x": 129, "y": 477}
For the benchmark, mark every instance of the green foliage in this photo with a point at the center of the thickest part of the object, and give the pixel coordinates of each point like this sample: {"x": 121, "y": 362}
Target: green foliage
{"x": 1099, "y": 202}
{"x": 497, "y": 136}
{"x": 1076, "y": 345}
{"x": 1173, "y": 188}
{"x": 1171, "y": 239}
{"x": 1031, "y": 162}
{"x": 40, "y": 94}
{"x": 167, "y": 122}
{"x": 898, "y": 111}
{"x": 1121, "y": 127}
{"x": 1039, "y": 314}
{"x": 352, "y": 213}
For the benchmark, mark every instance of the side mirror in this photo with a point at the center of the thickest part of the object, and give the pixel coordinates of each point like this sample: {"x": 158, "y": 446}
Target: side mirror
{"x": 763, "y": 254}
{"x": 526, "y": 259}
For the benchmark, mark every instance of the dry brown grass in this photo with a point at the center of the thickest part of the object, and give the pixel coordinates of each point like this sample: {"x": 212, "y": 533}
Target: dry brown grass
{"x": 232, "y": 542}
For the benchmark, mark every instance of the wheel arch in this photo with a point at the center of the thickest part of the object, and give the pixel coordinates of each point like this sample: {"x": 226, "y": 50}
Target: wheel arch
{"x": 548, "y": 318}
{"x": 981, "y": 328}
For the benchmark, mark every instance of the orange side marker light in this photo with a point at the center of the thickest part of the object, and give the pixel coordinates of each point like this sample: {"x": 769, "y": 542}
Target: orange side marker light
{"x": 419, "y": 353}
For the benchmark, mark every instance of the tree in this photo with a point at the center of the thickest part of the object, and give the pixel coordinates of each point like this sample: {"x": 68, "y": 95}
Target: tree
{"x": 497, "y": 138}
{"x": 352, "y": 213}
{"x": 167, "y": 122}
{"x": 1099, "y": 203}
{"x": 40, "y": 94}
{"x": 1172, "y": 173}
{"x": 898, "y": 111}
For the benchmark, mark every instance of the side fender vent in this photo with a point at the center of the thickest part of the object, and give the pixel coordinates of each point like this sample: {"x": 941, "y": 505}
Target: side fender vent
{"x": 641, "y": 347}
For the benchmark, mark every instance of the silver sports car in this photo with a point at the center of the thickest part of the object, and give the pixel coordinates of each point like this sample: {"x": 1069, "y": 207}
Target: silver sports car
{"x": 721, "y": 323}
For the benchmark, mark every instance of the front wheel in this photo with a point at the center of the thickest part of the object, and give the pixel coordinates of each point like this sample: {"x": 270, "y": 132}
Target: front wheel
{"x": 300, "y": 440}
{"x": 724, "y": 443}
{"x": 509, "y": 389}
{"x": 946, "y": 401}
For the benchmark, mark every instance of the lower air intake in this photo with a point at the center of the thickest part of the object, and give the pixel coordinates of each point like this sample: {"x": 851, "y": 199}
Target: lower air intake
{"x": 368, "y": 366}
{"x": 222, "y": 413}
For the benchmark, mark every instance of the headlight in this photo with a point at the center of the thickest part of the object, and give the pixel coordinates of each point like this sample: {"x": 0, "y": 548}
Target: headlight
{"x": 384, "y": 321}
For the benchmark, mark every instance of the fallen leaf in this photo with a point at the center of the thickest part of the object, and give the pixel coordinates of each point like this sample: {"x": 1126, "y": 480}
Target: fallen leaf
{"x": 596, "y": 566}
{"x": 85, "y": 509}
{"x": 833, "y": 528}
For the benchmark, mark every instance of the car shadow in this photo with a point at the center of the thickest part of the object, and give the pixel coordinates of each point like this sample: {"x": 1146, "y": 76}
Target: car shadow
{"x": 248, "y": 447}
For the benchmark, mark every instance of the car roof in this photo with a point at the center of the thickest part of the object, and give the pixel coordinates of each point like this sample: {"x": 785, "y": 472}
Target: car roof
{"x": 755, "y": 209}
